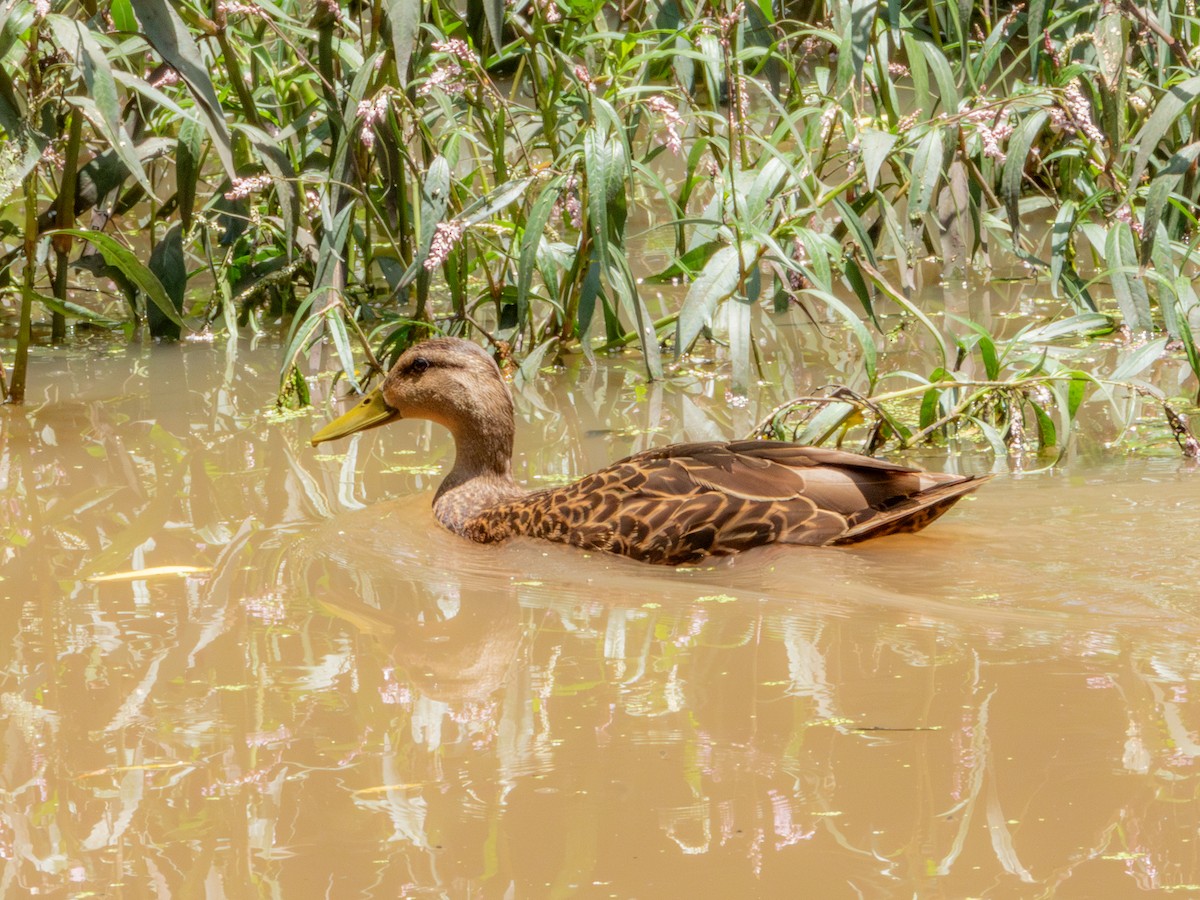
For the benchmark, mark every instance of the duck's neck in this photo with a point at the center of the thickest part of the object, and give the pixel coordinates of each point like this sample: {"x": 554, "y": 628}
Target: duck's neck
{"x": 482, "y": 473}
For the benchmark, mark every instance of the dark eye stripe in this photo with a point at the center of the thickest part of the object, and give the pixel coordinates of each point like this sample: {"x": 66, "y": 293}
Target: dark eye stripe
{"x": 418, "y": 365}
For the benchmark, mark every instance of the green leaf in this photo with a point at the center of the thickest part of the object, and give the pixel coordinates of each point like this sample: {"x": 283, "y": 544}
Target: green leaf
{"x": 854, "y": 277}
{"x": 604, "y": 166}
{"x": 862, "y": 16}
{"x": 122, "y": 258}
{"x": 931, "y": 399}
{"x": 1160, "y": 192}
{"x": 1047, "y": 433}
{"x": 926, "y": 172}
{"x": 1060, "y": 241}
{"x": 531, "y": 239}
{"x": 716, "y": 283}
{"x": 494, "y": 201}
{"x": 1127, "y": 283}
{"x": 169, "y": 37}
{"x": 1170, "y": 110}
{"x": 1076, "y": 392}
{"x": 404, "y": 19}
{"x": 170, "y": 268}
{"x": 74, "y": 311}
{"x": 818, "y": 429}
{"x": 1138, "y": 360}
{"x": 947, "y": 90}
{"x": 187, "y": 168}
{"x": 875, "y": 146}
{"x": 1014, "y": 166}
{"x": 1085, "y": 325}
{"x": 1035, "y": 22}
{"x": 102, "y": 104}
{"x": 855, "y": 224}
{"x": 854, "y": 321}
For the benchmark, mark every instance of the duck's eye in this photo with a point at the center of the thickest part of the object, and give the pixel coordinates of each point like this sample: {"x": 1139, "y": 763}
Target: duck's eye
{"x": 419, "y": 365}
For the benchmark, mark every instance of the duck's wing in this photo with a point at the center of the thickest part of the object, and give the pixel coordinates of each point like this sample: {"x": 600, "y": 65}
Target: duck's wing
{"x": 681, "y": 503}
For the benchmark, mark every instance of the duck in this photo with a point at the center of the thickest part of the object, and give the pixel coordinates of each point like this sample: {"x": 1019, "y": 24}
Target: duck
{"x": 676, "y": 505}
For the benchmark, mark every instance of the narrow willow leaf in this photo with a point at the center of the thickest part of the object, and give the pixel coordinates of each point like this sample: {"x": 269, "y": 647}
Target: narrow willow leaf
{"x": 435, "y": 200}
{"x": 604, "y": 164}
{"x": 857, "y": 228}
{"x": 1160, "y": 192}
{"x": 531, "y": 239}
{"x": 825, "y": 423}
{"x": 926, "y": 172}
{"x": 924, "y": 99}
{"x": 818, "y": 251}
{"x": 335, "y": 327}
{"x": 1127, "y": 283}
{"x": 854, "y": 321}
{"x": 996, "y": 44}
{"x": 862, "y": 17}
{"x": 1166, "y": 284}
{"x": 1170, "y": 110}
{"x": 123, "y": 259}
{"x": 123, "y": 19}
{"x": 876, "y": 146}
{"x": 15, "y": 19}
{"x": 947, "y": 90}
{"x": 494, "y": 201}
{"x": 1138, "y": 360}
{"x": 1047, "y": 433}
{"x": 931, "y": 399}
{"x": 187, "y": 168}
{"x": 854, "y": 277}
{"x": 1035, "y": 21}
{"x": 494, "y": 11}
{"x": 169, "y": 37}
{"x": 990, "y": 433}
{"x": 1014, "y": 166}
{"x": 740, "y": 350}
{"x": 769, "y": 180}
{"x": 1060, "y": 242}
{"x": 1084, "y": 325}
{"x": 986, "y": 344}
{"x": 716, "y": 283}
{"x": 404, "y": 19}
{"x": 71, "y": 310}
{"x": 714, "y": 62}
{"x": 625, "y": 284}
{"x": 102, "y": 104}
{"x": 1076, "y": 392}
{"x": 688, "y": 265}
{"x": 589, "y": 292}
{"x": 169, "y": 266}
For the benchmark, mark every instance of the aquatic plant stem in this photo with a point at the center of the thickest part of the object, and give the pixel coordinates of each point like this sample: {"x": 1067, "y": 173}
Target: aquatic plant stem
{"x": 65, "y": 219}
{"x": 25, "y": 329}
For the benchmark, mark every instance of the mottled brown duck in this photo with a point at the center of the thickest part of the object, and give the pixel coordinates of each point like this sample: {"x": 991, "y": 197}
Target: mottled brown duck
{"x": 671, "y": 505}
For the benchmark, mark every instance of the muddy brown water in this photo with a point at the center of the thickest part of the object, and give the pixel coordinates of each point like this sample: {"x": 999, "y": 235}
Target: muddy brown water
{"x": 237, "y": 666}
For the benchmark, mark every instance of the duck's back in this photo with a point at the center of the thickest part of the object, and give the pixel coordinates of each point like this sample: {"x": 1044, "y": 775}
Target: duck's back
{"x": 682, "y": 503}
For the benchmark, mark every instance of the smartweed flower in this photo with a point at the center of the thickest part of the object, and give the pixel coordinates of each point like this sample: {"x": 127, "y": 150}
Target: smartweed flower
{"x": 445, "y": 239}
{"x": 244, "y": 187}
{"x": 672, "y": 121}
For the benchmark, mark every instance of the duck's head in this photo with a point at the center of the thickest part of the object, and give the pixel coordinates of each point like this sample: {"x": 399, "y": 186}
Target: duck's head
{"x": 447, "y": 380}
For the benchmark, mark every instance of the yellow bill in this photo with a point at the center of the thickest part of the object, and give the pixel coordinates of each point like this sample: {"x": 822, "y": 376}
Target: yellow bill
{"x": 370, "y": 412}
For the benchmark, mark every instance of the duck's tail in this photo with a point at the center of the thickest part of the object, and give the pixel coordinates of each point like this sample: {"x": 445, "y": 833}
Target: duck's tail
{"x": 912, "y": 513}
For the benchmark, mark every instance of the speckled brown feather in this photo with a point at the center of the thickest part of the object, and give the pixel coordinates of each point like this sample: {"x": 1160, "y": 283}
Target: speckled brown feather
{"x": 680, "y": 504}
{"x": 673, "y": 505}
